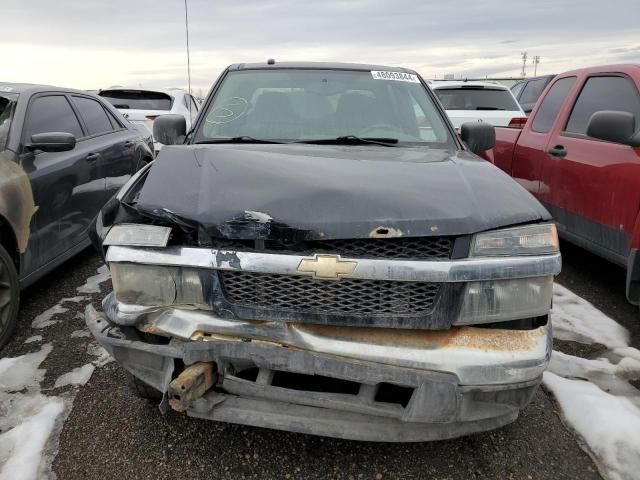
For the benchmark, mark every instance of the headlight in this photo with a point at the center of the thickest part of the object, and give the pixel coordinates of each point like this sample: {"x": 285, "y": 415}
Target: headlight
{"x": 137, "y": 235}
{"x": 528, "y": 240}
{"x": 501, "y": 300}
{"x": 153, "y": 285}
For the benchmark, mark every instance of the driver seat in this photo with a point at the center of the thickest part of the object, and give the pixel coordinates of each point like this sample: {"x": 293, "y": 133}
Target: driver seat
{"x": 356, "y": 112}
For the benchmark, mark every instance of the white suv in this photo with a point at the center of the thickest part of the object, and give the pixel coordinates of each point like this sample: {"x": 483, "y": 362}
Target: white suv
{"x": 479, "y": 101}
{"x": 143, "y": 106}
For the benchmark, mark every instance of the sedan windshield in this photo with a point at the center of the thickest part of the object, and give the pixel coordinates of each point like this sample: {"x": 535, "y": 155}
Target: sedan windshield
{"x": 323, "y": 105}
{"x": 7, "y": 106}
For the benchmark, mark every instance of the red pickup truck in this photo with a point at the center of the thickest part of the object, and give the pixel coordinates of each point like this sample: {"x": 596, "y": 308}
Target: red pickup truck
{"x": 579, "y": 154}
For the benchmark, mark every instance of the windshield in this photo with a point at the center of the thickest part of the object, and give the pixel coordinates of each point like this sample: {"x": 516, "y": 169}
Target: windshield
{"x": 476, "y": 98}
{"x": 137, "y": 99}
{"x": 7, "y": 106}
{"x": 307, "y": 105}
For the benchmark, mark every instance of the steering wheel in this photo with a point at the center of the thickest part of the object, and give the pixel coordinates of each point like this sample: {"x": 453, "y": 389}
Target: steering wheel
{"x": 376, "y": 127}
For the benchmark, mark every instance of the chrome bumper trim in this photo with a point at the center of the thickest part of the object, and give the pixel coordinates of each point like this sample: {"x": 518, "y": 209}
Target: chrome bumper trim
{"x": 464, "y": 270}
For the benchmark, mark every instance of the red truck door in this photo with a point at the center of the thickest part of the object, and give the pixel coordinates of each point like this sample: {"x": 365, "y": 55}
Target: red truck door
{"x": 530, "y": 157}
{"x": 592, "y": 187}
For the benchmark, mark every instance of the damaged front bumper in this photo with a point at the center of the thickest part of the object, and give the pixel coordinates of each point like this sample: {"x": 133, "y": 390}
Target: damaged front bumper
{"x": 348, "y": 382}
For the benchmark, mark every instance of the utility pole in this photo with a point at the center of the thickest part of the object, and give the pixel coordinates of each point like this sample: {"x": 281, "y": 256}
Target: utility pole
{"x": 524, "y": 65}
{"x": 186, "y": 27}
{"x": 536, "y": 61}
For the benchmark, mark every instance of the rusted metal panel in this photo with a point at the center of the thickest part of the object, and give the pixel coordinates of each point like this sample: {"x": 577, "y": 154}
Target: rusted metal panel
{"x": 190, "y": 385}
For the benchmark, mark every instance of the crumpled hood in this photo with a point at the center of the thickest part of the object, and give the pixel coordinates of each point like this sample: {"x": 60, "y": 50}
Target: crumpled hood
{"x": 322, "y": 192}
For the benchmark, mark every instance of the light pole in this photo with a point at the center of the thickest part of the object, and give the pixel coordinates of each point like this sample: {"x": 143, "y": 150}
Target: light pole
{"x": 186, "y": 26}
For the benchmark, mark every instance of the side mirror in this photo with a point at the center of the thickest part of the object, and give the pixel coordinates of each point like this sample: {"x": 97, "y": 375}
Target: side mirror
{"x": 169, "y": 129}
{"x": 478, "y": 136}
{"x": 614, "y": 126}
{"x": 52, "y": 142}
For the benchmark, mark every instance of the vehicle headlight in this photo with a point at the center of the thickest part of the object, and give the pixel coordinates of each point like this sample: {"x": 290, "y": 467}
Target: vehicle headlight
{"x": 501, "y": 300}
{"x": 137, "y": 235}
{"x": 153, "y": 285}
{"x": 512, "y": 299}
{"x": 536, "y": 239}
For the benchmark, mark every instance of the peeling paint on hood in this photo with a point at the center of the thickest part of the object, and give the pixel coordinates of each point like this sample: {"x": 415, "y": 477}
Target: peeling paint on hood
{"x": 16, "y": 200}
{"x": 315, "y": 192}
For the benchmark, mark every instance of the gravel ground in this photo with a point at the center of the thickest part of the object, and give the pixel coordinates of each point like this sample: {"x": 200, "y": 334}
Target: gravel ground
{"x": 110, "y": 433}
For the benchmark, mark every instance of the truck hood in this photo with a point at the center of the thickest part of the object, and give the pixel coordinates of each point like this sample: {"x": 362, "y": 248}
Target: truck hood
{"x": 314, "y": 192}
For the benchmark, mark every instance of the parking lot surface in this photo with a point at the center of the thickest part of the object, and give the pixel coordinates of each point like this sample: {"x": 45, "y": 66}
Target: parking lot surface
{"x": 111, "y": 433}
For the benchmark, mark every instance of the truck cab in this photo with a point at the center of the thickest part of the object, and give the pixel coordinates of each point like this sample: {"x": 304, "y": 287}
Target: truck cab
{"x": 579, "y": 154}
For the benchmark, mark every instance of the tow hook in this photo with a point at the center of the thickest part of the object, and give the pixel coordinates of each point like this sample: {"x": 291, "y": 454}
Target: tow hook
{"x": 190, "y": 385}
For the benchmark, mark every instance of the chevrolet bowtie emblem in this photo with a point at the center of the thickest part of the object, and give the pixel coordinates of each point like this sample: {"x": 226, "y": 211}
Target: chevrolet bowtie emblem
{"x": 327, "y": 267}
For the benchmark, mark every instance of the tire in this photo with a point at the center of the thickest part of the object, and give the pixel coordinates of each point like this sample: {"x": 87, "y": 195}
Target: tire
{"x": 9, "y": 297}
{"x": 144, "y": 390}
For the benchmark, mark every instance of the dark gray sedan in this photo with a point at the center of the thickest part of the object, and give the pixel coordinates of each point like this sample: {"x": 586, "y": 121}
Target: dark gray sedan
{"x": 63, "y": 154}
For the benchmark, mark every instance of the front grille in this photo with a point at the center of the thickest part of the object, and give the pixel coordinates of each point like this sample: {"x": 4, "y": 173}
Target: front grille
{"x": 343, "y": 297}
{"x": 409, "y": 247}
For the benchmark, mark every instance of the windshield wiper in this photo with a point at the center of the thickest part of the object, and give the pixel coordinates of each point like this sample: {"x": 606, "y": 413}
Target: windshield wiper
{"x": 354, "y": 140}
{"x": 240, "y": 139}
{"x": 489, "y": 108}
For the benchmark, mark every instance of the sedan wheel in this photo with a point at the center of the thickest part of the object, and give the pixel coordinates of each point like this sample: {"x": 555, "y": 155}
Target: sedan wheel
{"x": 9, "y": 296}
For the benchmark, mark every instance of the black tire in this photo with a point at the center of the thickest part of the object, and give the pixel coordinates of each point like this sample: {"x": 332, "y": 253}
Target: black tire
{"x": 9, "y": 297}
{"x": 144, "y": 390}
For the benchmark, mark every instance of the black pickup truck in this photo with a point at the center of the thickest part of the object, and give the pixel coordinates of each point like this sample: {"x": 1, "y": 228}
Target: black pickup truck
{"x": 322, "y": 253}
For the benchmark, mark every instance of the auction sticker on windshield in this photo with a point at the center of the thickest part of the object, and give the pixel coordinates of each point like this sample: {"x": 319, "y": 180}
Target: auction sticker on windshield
{"x": 399, "y": 76}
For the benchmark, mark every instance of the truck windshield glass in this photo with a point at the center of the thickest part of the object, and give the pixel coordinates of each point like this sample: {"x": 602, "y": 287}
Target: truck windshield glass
{"x": 476, "y": 99}
{"x": 306, "y": 105}
{"x": 7, "y": 106}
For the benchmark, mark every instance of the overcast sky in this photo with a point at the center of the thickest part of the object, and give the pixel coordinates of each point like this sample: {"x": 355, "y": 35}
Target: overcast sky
{"x": 93, "y": 44}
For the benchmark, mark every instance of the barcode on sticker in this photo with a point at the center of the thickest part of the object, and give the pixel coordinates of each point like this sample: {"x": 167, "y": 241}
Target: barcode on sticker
{"x": 399, "y": 76}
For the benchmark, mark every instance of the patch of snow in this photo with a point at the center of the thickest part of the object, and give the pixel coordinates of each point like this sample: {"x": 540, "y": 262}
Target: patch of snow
{"x": 80, "y": 333}
{"x": 608, "y": 423}
{"x": 102, "y": 355}
{"x": 575, "y": 319}
{"x": 610, "y": 377}
{"x": 22, "y": 446}
{"x": 259, "y": 217}
{"x": 629, "y": 352}
{"x": 35, "y": 338}
{"x": 45, "y": 318}
{"x": 27, "y": 418}
{"x": 92, "y": 284}
{"x": 18, "y": 373}
{"x": 76, "y": 299}
{"x": 595, "y": 395}
{"x": 77, "y": 376}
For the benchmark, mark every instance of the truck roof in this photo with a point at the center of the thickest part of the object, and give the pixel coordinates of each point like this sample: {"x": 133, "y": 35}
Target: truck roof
{"x": 318, "y": 66}
{"x": 603, "y": 68}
